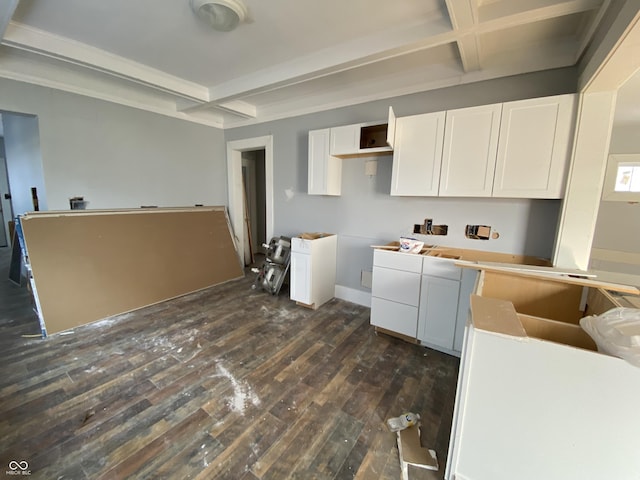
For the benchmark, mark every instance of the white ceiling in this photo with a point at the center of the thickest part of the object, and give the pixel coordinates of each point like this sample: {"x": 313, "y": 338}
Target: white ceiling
{"x": 292, "y": 57}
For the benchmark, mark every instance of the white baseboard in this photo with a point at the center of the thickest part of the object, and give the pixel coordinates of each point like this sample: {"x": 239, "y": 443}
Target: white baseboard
{"x": 354, "y": 296}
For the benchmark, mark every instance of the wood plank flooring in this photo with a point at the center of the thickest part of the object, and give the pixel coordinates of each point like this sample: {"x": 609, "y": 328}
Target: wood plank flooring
{"x": 226, "y": 383}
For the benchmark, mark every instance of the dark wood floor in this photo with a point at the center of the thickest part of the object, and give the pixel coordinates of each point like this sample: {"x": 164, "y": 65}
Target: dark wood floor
{"x": 226, "y": 383}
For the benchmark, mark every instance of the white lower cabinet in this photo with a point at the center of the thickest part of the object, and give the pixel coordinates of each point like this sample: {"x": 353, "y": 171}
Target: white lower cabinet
{"x": 438, "y": 311}
{"x": 300, "y": 288}
{"x": 313, "y": 268}
{"x": 424, "y": 298}
{"x": 394, "y": 316}
{"x": 395, "y": 292}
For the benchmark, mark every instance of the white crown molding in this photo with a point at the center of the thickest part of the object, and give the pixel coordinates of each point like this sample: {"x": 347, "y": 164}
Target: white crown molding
{"x": 7, "y": 9}
{"x": 102, "y": 95}
{"x": 31, "y": 39}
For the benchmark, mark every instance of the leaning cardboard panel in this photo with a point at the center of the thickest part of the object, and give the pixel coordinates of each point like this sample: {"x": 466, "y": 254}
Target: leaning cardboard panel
{"x": 91, "y": 265}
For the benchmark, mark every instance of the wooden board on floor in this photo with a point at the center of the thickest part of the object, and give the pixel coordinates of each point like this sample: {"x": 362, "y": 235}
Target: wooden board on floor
{"x": 91, "y": 265}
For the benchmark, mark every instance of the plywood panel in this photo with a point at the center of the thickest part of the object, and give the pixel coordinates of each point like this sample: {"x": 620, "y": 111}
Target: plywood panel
{"x": 555, "y": 300}
{"x": 558, "y": 332}
{"x": 91, "y": 265}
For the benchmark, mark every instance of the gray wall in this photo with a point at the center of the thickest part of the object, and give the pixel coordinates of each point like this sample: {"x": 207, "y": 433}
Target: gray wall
{"x": 116, "y": 156}
{"x": 24, "y": 163}
{"x": 365, "y": 214}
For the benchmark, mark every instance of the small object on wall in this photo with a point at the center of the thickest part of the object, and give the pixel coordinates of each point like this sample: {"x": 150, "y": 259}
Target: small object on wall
{"x": 371, "y": 168}
{"x": 34, "y": 197}
{"x": 477, "y": 232}
{"x": 439, "y": 230}
{"x": 428, "y": 228}
{"x": 77, "y": 203}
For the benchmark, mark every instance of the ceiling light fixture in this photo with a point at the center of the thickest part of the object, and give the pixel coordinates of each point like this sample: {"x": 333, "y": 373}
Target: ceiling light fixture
{"x": 221, "y": 15}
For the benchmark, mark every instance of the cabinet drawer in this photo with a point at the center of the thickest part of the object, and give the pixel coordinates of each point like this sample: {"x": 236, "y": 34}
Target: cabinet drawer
{"x": 438, "y": 267}
{"x": 393, "y": 316}
{"x": 398, "y": 261}
{"x": 396, "y": 285}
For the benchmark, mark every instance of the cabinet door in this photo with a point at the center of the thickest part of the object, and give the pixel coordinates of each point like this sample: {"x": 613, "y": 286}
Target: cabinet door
{"x": 469, "y": 152}
{"x": 438, "y": 311}
{"x": 417, "y": 154}
{"x": 300, "y": 288}
{"x": 396, "y": 285}
{"x": 325, "y": 171}
{"x": 345, "y": 140}
{"x": 534, "y": 148}
{"x": 396, "y": 317}
{"x": 467, "y": 287}
{"x": 391, "y": 127}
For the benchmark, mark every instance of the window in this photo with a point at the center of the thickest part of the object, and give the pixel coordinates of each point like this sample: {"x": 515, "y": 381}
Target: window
{"x": 622, "y": 179}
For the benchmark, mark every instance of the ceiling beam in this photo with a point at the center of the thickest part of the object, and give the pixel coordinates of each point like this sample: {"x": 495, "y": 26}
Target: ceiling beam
{"x": 334, "y": 60}
{"x": 239, "y": 108}
{"x": 464, "y": 18}
{"x": 7, "y": 8}
{"x": 31, "y": 39}
{"x": 532, "y": 10}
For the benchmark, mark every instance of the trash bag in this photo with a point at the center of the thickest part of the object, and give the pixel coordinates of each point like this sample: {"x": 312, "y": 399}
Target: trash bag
{"x": 616, "y": 332}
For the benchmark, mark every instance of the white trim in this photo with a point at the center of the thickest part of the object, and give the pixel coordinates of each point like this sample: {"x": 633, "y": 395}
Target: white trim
{"x": 93, "y": 93}
{"x": 234, "y": 177}
{"x": 31, "y": 39}
{"x": 354, "y": 296}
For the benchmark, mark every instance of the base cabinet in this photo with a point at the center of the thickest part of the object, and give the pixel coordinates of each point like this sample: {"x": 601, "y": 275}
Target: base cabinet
{"x": 548, "y": 408}
{"x": 394, "y": 316}
{"x": 420, "y": 297}
{"x": 438, "y": 311}
{"x": 395, "y": 292}
{"x": 313, "y": 268}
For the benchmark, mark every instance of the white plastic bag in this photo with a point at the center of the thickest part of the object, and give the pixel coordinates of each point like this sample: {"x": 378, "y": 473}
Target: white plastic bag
{"x": 616, "y": 332}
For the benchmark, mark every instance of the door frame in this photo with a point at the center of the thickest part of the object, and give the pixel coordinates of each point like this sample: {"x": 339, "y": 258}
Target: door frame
{"x": 235, "y": 193}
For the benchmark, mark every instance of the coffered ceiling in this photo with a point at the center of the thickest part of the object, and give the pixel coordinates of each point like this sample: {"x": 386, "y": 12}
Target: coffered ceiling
{"x": 291, "y": 58}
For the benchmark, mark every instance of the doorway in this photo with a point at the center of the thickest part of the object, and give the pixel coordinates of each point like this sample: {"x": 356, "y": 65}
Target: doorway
{"x": 253, "y": 180}
{"x": 5, "y": 204}
{"x": 250, "y": 177}
{"x": 5, "y": 195}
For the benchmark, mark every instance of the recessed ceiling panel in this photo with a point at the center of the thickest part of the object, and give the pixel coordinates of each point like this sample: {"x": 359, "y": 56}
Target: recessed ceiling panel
{"x": 522, "y": 37}
{"x": 166, "y": 35}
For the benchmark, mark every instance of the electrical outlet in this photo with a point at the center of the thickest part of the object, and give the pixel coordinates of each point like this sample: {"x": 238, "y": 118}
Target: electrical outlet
{"x": 366, "y": 278}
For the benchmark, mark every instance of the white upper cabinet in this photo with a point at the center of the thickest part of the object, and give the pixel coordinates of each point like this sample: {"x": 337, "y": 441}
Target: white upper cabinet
{"x": 417, "y": 154}
{"x": 325, "y": 171}
{"x": 534, "y": 148}
{"x": 360, "y": 139}
{"x": 391, "y": 128}
{"x": 469, "y": 152}
{"x": 345, "y": 140}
